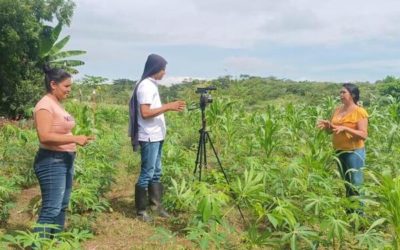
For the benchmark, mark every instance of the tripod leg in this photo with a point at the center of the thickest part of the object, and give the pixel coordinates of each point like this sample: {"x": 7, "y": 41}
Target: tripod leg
{"x": 198, "y": 154}
{"x": 204, "y": 148}
{"x": 216, "y": 156}
{"x": 203, "y": 156}
{"x": 206, "y": 135}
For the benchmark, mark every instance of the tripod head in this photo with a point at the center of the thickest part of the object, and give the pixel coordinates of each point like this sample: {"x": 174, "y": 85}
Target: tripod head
{"x": 205, "y": 97}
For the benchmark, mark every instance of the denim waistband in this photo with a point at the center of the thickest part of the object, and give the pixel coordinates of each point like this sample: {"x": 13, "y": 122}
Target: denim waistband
{"x": 55, "y": 153}
{"x": 350, "y": 150}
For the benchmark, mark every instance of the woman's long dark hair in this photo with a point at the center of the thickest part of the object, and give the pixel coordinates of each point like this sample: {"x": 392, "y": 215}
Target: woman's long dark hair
{"x": 354, "y": 91}
{"x": 54, "y": 74}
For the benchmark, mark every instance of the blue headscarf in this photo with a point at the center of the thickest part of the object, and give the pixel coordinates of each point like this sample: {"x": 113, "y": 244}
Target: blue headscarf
{"x": 154, "y": 64}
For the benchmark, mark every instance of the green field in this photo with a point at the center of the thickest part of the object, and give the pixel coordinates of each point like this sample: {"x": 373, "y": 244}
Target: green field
{"x": 282, "y": 171}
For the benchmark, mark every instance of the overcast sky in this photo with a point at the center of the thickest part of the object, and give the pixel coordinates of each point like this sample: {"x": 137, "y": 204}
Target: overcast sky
{"x": 330, "y": 40}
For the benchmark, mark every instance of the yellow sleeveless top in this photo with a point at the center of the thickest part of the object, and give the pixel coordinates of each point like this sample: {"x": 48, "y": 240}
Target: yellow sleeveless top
{"x": 345, "y": 140}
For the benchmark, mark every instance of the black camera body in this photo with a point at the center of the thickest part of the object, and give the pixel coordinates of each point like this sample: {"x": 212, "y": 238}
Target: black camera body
{"x": 205, "y": 90}
{"x": 205, "y": 97}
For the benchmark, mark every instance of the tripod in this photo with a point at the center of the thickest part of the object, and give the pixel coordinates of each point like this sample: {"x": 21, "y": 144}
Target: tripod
{"x": 201, "y": 158}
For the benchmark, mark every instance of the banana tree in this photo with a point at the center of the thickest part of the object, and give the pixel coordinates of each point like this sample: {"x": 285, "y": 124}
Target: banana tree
{"x": 51, "y": 53}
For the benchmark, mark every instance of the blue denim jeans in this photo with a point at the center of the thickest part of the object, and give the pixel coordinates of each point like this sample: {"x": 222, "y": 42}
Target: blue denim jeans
{"x": 151, "y": 163}
{"x": 350, "y": 167}
{"x": 55, "y": 171}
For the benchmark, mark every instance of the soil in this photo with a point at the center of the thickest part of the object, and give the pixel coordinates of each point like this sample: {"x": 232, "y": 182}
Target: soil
{"x": 115, "y": 229}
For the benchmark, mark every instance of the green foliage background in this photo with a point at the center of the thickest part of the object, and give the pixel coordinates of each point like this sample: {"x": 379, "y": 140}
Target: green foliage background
{"x": 281, "y": 168}
{"x": 21, "y": 24}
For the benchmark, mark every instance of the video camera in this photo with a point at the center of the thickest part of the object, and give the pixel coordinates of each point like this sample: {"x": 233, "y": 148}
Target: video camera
{"x": 205, "y": 90}
{"x": 205, "y": 97}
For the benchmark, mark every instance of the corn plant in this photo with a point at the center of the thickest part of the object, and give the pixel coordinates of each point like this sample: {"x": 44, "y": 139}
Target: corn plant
{"x": 394, "y": 109}
{"x": 294, "y": 119}
{"x": 266, "y": 132}
{"x": 390, "y": 200}
{"x": 217, "y": 109}
{"x": 85, "y": 118}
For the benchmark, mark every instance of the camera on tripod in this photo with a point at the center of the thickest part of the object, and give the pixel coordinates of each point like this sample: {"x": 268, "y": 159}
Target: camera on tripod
{"x": 201, "y": 158}
{"x": 205, "y": 97}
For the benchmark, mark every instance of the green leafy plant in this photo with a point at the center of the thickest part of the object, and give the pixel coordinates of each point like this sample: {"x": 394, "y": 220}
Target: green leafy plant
{"x": 267, "y": 132}
{"x": 64, "y": 240}
{"x": 50, "y": 50}
{"x": 300, "y": 233}
{"x": 336, "y": 229}
{"x": 372, "y": 238}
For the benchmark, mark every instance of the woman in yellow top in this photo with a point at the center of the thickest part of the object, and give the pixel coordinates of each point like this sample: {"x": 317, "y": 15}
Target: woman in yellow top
{"x": 349, "y": 125}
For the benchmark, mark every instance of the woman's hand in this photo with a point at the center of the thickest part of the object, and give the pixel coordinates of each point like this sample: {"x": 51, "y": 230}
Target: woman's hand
{"x": 338, "y": 129}
{"x": 176, "y": 106}
{"x": 171, "y": 106}
{"x": 83, "y": 140}
{"x": 324, "y": 124}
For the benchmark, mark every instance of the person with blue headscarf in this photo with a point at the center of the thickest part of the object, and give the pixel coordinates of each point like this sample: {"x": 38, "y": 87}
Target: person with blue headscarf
{"x": 147, "y": 129}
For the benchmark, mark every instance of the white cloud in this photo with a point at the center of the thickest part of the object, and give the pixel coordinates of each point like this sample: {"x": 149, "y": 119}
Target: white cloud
{"x": 247, "y": 63}
{"x": 171, "y": 80}
{"x": 261, "y": 37}
{"x": 235, "y": 24}
{"x": 362, "y": 65}
{"x": 256, "y": 66}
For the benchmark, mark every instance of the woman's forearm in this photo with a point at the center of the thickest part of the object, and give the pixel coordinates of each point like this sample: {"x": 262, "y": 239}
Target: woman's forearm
{"x": 359, "y": 133}
{"x": 56, "y": 139}
{"x": 151, "y": 113}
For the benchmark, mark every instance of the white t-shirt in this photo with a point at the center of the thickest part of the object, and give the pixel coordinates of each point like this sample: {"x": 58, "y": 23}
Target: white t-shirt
{"x": 150, "y": 129}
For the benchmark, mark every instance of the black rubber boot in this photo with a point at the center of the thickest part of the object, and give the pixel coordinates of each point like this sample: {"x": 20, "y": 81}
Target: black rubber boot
{"x": 155, "y": 196}
{"x": 141, "y": 203}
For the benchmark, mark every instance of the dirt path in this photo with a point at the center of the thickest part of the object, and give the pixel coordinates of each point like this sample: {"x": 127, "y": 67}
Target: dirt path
{"x": 120, "y": 229}
{"x": 21, "y": 217}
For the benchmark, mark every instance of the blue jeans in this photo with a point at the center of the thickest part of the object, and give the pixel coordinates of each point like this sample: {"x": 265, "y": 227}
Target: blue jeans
{"x": 151, "y": 163}
{"x": 350, "y": 167}
{"x": 55, "y": 171}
